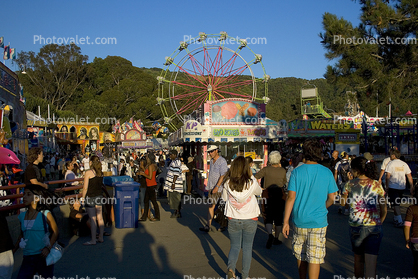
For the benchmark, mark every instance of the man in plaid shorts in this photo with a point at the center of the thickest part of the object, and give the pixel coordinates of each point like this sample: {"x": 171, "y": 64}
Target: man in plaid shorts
{"x": 312, "y": 190}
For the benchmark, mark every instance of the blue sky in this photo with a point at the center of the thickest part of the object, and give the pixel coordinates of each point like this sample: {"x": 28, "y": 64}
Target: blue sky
{"x": 147, "y": 31}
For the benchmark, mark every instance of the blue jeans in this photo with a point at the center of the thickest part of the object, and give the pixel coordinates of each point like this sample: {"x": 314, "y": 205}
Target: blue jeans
{"x": 366, "y": 239}
{"x": 241, "y": 234}
{"x": 35, "y": 264}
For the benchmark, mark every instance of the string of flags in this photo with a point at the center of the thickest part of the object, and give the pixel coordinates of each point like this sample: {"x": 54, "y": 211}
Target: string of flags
{"x": 8, "y": 53}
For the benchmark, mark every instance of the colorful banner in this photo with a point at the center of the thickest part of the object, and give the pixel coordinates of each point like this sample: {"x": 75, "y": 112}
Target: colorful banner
{"x": 81, "y": 131}
{"x": 135, "y": 135}
{"x": 234, "y": 112}
{"x": 239, "y": 132}
{"x": 12, "y": 53}
{"x": 305, "y": 125}
{"x": 6, "y": 54}
{"x": 2, "y": 42}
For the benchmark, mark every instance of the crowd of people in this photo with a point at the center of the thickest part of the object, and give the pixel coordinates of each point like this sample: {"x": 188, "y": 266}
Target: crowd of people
{"x": 295, "y": 191}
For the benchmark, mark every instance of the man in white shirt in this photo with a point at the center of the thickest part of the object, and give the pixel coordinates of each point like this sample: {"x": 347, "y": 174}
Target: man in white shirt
{"x": 384, "y": 165}
{"x": 396, "y": 183}
{"x": 86, "y": 162}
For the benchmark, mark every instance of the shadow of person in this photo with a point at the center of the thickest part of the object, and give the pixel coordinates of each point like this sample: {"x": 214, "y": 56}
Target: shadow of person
{"x": 215, "y": 254}
{"x": 143, "y": 255}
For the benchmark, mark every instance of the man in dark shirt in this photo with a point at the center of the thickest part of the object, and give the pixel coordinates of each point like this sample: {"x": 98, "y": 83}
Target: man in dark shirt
{"x": 33, "y": 173}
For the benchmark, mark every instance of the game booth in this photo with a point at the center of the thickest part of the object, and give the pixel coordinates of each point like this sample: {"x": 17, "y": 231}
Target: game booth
{"x": 335, "y": 135}
{"x": 130, "y": 136}
{"x": 72, "y": 136}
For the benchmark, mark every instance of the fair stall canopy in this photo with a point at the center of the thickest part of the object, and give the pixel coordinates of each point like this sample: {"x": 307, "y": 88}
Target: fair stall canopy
{"x": 231, "y": 120}
{"x": 193, "y": 131}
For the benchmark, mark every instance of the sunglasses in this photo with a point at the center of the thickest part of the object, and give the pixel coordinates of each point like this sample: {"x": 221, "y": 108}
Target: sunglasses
{"x": 211, "y": 151}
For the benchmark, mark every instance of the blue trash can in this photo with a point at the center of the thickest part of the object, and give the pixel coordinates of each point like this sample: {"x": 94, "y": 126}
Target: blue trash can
{"x": 126, "y": 204}
{"x": 112, "y": 180}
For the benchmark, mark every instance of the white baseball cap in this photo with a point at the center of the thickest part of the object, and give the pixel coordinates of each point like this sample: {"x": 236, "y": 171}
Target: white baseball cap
{"x": 212, "y": 147}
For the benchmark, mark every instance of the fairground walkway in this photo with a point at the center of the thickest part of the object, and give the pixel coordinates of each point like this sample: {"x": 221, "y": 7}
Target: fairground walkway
{"x": 175, "y": 248}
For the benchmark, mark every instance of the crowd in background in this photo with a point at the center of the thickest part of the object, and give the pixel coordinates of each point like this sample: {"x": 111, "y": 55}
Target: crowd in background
{"x": 289, "y": 183}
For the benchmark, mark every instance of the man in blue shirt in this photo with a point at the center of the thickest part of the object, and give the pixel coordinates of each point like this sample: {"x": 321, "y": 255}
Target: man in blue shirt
{"x": 217, "y": 170}
{"x": 312, "y": 190}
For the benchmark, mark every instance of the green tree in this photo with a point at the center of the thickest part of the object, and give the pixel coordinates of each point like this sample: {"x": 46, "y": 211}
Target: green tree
{"x": 375, "y": 58}
{"x": 55, "y": 74}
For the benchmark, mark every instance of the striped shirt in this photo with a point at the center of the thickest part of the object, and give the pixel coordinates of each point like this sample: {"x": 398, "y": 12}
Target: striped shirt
{"x": 174, "y": 170}
{"x": 216, "y": 170}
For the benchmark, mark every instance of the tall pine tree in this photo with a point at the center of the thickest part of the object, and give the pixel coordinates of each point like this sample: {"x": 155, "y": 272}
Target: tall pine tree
{"x": 378, "y": 58}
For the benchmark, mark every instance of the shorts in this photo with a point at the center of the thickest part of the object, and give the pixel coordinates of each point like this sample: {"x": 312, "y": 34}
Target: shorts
{"x": 309, "y": 244}
{"x": 93, "y": 201}
{"x": 214, "y": 198}
{"x": 366, "y": 239}
{"x": 174, "y": 199}
{"x": 395, "y": 196}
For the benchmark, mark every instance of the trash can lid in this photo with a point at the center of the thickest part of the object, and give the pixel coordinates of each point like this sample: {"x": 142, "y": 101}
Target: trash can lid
{"x": 110, "y": 180}
{"x": 126, "y": 183}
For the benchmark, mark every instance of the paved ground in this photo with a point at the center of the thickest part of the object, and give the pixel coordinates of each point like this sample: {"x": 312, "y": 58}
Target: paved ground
{"x": 175, "y": 248}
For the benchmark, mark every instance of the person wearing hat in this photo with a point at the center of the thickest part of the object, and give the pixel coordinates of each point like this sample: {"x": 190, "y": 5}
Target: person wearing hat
{"x": 217, "y": 170}
{"x": 342, "y": 174}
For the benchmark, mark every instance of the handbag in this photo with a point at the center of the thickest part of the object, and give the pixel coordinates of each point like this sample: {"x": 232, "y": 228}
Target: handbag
{"x": 219, "y": 215}
{"x": 57, "y": 250}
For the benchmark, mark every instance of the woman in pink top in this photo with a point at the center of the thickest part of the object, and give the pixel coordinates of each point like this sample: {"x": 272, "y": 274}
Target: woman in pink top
{"x": 240, "y": 191}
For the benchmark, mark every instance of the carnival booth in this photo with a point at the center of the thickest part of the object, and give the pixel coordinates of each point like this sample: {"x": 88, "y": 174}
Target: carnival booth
{"x": 236, "y": 126}
{"x": 335, "y": 135}
{"x": 81, "y": 136}
{"x": 131, "y": 135}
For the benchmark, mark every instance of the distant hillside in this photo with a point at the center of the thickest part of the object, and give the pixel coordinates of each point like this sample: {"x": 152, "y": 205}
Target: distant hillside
{"x": 115, "y": 88}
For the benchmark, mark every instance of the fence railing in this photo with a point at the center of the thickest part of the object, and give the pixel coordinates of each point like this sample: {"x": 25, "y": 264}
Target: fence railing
{"x": 17, "y": 197}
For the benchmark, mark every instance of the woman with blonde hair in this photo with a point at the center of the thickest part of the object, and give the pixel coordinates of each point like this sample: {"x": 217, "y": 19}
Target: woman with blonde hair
{"x": 241, "y": 208}
{"x": 92, "y": 198}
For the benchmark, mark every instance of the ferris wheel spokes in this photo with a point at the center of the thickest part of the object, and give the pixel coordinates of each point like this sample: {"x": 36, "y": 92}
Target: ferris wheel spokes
{"x": 201, "y": 99}
{"x": 207, "y": 72}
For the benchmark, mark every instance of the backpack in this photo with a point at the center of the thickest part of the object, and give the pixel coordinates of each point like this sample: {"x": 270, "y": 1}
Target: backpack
{"x": 343, "y": 171}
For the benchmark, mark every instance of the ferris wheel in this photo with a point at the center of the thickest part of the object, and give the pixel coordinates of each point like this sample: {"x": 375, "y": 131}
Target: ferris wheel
{"x": 209, "y": 67}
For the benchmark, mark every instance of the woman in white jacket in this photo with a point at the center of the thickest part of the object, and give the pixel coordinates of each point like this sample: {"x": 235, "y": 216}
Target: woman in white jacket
{"x": 241, "y": 208}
